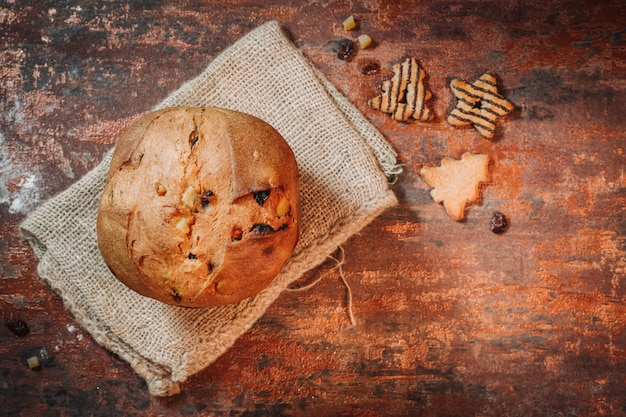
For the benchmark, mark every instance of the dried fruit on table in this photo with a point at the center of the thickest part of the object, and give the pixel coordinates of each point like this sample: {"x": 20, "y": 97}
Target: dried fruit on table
{"x": 349, "y": 23}
{"x": 369, "y": 67}
{"x": 364, "y": 41}
{"x": 498, "y": 223}
{"x": 346, "y": 49}
{"x": 33, "y": 362}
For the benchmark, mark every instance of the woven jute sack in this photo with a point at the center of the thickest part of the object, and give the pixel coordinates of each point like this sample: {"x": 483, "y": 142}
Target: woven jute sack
{"x": 344, "y": 165}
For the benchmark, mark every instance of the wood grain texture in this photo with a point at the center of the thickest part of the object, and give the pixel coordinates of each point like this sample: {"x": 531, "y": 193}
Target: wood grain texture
{"x": 451, "y": 319}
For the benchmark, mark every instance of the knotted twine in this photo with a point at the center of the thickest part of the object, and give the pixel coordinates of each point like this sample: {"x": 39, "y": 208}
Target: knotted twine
{"x": 343, "y": 161}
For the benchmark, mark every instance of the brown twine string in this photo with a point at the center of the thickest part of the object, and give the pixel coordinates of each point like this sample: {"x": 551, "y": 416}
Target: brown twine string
{"x": 339, "y": 268}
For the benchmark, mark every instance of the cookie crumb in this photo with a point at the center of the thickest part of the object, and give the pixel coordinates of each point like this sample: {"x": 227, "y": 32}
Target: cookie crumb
{"x": 349, "y": 23}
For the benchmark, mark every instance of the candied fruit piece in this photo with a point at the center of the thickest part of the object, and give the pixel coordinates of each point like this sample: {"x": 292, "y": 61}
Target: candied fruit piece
{"x": 33, "y": 362}
{"x": 183, "y": 224}
{"x": 349, "y": 23}
{"x": 364, "y": 41}
{"x": 283, "y": 207}
{"x": 190, "y": 197}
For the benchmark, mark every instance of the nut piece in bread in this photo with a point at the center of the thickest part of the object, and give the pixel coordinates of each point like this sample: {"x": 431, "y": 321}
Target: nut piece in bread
{"x": 200, "y": 207}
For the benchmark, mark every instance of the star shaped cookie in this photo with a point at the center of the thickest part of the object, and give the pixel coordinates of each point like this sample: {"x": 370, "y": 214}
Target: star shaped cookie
{"x": 404, "y": 96}
{"x": 478, "y": 104}
{"x": 456, "y": 183}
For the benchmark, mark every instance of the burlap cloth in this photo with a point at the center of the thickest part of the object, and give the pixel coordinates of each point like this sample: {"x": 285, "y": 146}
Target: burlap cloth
{"x": 343, "y": 161}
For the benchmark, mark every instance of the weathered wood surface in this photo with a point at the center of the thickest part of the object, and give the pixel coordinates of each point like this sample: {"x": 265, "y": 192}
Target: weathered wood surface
{"x": 452, "y": 320}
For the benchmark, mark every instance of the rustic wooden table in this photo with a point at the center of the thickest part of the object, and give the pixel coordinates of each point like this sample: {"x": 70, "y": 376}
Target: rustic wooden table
{"x": 451, "y": 319}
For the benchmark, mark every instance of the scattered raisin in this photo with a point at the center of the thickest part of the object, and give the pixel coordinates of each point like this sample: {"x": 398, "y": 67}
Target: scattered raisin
{"x": 205, "y": 198}
{"x": 175, "y": 295}
{"x": 262, "y": 228}
{"x": 498, "y": 223}
{"x": 236, "y": 233}
{"x": 346, "y": 49}
{"x": 261, "y": 196}
{"x": 192, "y": 256}
{"x": 370, "y": 67}
{"x": 18, "y": 327}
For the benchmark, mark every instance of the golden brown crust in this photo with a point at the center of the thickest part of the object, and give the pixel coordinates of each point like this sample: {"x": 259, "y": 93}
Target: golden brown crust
{"x": 201, "y": 206}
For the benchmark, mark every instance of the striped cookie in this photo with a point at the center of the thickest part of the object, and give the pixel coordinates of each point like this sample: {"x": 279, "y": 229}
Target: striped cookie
{"x": 478, "y": 104}
{"x": 404, "y": 95}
